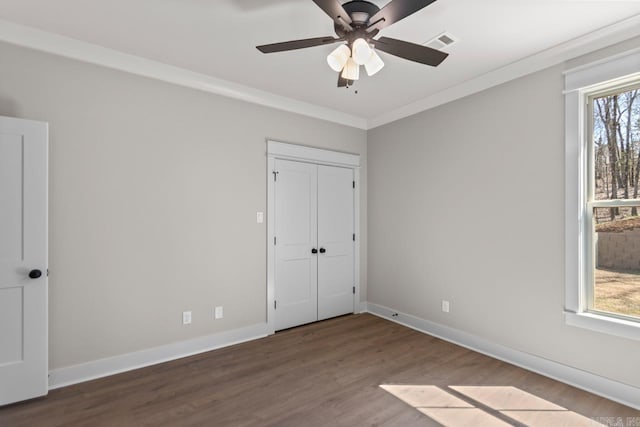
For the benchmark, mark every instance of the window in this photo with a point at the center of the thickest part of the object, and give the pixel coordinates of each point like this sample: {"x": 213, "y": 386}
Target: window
{"x": 602, "y": 196}
{"x": 612, "y": 222}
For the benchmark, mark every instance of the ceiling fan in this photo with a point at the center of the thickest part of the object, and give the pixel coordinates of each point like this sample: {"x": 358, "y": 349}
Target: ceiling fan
{"x": 357, "y": 22}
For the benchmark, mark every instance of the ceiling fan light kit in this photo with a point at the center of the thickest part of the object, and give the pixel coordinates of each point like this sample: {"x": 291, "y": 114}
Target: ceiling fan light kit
{"x": 363, "y": 54}
{"x": 374, "y": 64}
{"x": 361, "y": 51}
{"x": 357, "y": 22}
{"x": 351, "y": 71}
{"x": 338, "y": 58}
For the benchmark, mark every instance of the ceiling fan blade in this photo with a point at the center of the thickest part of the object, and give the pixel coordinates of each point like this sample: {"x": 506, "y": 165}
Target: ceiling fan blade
{"x": 296, "y": 44}
{"x": 396, "y": 10}
{"x": 411, "y": 51}
{"x": 334, "y": 9}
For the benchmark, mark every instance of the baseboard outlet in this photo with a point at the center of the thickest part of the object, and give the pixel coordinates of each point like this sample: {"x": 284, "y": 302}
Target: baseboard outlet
{"x": 126, "y": 362}
{"x": 601, "y": 386}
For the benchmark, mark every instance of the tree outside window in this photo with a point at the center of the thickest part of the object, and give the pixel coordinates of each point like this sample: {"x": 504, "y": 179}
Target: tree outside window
{"x": 614, "y": 203}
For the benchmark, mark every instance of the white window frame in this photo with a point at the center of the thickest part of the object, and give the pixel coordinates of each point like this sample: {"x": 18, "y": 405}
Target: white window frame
{"x": 581, "y": 83}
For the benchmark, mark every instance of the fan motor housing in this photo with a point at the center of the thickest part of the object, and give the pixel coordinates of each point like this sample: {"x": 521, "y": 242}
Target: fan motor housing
{"x": 360, "y": 12}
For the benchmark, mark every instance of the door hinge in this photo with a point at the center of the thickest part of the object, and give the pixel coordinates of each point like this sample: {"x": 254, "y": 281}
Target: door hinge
{"x": 275, "y": 175}
{"x": 274, "y": 240}
{"x": 275, "y": 304}
{"x": 354, "y": 237}
{"x": 354, "y": 184}
{"x": 354, "y": 290}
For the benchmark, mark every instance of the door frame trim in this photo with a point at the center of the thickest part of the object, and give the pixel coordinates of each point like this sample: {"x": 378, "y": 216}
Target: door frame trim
{"x": 318, "y": 156}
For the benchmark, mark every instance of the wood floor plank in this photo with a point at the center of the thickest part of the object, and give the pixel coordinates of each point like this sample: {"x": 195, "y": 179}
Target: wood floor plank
{"x": 326, "y": 373}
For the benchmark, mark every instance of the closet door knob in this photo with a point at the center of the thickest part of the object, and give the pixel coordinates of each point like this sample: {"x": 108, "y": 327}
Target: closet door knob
{"x": 322, "y": 250}
{"x": 314, "y": 251}
{"x": 34, "y": 274}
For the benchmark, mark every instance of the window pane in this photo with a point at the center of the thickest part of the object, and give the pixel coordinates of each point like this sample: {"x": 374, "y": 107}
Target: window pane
{"x": 617, "y": 260}
{"x": 616, "y": 145}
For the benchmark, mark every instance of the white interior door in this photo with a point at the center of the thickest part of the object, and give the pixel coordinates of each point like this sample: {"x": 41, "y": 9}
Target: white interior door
{"x": 296, "y": 267}
{"x": 23, "y": 260}
{"x": 336, "y": 274}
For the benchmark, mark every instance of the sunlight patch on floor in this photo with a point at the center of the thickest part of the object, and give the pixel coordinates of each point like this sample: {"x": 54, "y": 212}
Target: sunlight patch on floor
{"x": 467, "y": 417}
{"x": 425, "y": 396}
{"x": 506, "y": 397}
{"x": 461, "y": 406}
{"x": 550, "y": 418}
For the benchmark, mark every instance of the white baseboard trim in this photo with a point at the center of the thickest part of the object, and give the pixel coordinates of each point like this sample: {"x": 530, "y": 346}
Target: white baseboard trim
{"x": 363, "y": 307}
{"x": 126, "y": 362}
{"x": 601, "y": 386}
{"x": 607, "y": 388}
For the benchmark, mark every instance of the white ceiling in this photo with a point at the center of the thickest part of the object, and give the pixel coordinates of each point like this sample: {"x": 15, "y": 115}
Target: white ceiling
{"x": 218, "y": 38}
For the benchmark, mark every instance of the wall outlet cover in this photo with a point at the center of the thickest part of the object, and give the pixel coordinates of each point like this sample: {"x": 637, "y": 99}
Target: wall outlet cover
{"x": 186, "y": 317}
{"x": 445, "y": 306}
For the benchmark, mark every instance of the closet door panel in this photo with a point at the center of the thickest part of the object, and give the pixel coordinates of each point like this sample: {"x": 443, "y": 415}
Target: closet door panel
{"x": 335, "y": 241}
{"x": 296, "y": 266}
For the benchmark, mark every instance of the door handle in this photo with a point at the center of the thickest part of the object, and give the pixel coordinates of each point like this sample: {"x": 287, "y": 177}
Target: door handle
{"x": 314, "y": 251}
{"x": 322, "y": 250}
{"x": 34, "y": 274}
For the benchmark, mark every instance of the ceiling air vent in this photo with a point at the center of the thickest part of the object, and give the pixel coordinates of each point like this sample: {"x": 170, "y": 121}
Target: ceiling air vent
{"x": 441, "y": 41}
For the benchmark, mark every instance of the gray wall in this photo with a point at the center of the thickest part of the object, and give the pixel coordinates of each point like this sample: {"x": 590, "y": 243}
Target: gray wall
{"x": 154, "y": 190}
{"x": 466, "y": 203}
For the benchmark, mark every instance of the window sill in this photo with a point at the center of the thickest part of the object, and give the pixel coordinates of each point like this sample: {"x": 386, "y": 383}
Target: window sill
{"x": 604, "y": 324}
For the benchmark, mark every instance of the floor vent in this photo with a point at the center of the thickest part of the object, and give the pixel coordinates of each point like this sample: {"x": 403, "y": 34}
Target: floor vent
{"x": 441, "y": 41}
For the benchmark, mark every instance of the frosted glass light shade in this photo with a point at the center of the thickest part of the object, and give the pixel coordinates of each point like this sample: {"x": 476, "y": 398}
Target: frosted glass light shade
{"x": 361, "y": 51}
{"x": 339, "y": 57}
{"x": 351, "y": 70}
{"x": 374, "y": 64}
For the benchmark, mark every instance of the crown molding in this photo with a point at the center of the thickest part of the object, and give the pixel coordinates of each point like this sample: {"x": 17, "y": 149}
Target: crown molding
{"x": 56, "y": 44}
{"x": 579, "y": 46}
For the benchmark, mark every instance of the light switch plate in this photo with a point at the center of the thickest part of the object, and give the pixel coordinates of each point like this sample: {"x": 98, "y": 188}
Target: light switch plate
{"x": 260, "y": 217}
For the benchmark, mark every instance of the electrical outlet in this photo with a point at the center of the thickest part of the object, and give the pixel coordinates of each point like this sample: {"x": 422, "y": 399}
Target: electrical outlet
{"x": 445, "y": 306}
{"x": 186, "y": 317}
{"x": 219, "y": 314}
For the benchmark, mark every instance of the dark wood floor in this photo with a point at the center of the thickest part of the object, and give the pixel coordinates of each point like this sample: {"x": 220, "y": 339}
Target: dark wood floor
{"x": 324, "y": 374}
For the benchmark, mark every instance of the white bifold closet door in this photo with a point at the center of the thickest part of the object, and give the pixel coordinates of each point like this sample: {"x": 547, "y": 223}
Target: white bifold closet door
{"x": 296, "y": 219}
{"x": 335, "y": 242}
{"x": 314, "y": 246}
